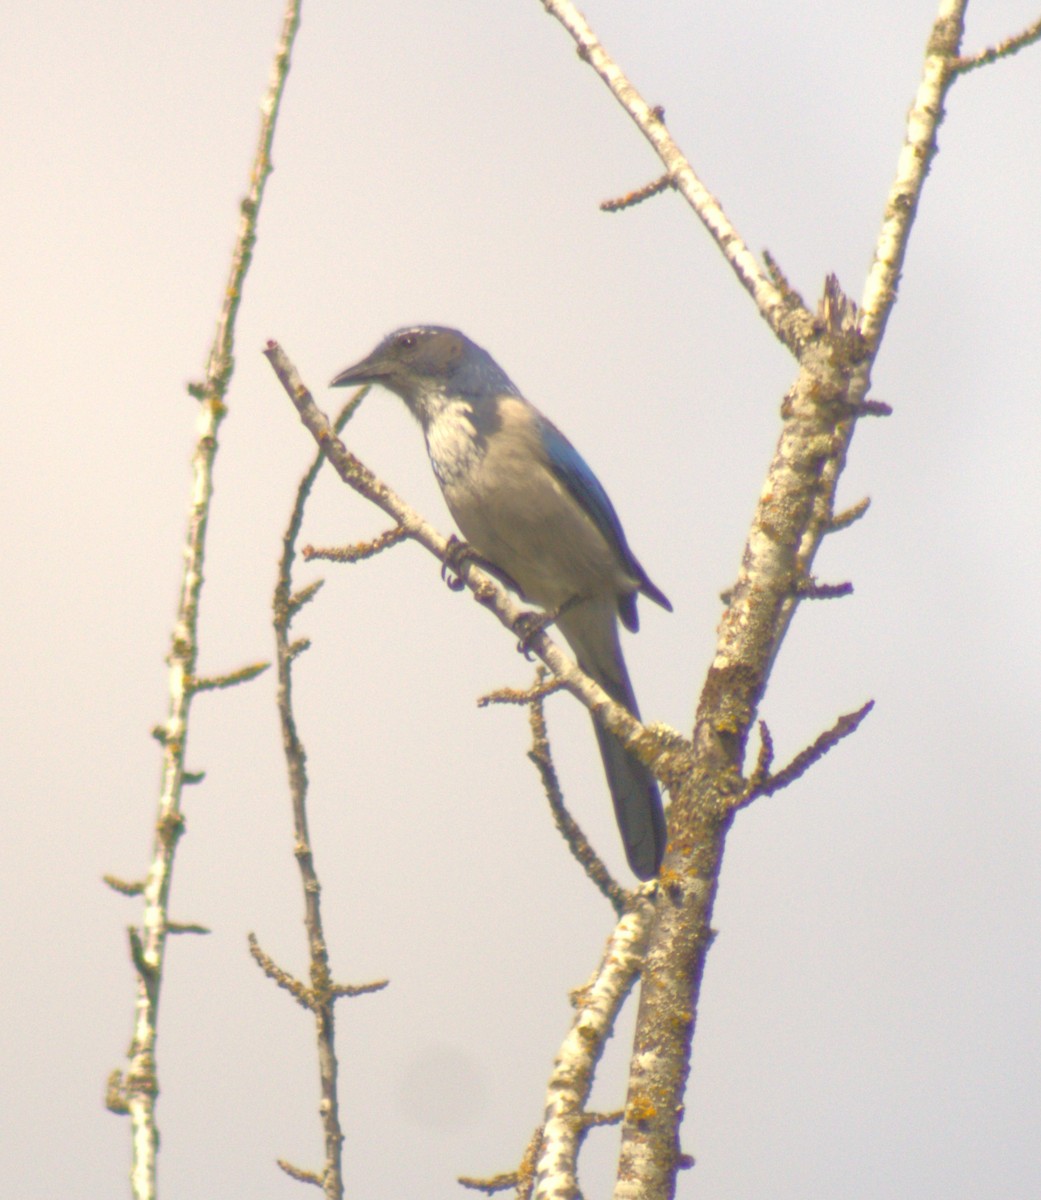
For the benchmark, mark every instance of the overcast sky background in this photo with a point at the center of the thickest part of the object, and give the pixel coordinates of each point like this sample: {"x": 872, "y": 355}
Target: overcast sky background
{"x": 869, "y": 1020}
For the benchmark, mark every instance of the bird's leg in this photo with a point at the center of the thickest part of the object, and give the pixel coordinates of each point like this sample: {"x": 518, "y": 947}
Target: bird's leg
{"x": 529, "y": 625}
{"x": 460, "y": 552}
{"x": 457, "y": 553}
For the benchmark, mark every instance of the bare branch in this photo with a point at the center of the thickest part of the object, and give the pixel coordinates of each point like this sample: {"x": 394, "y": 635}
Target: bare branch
{"x": 790, "y": 321}
{"x": 285, "y": 605}
{"x": 777, "y": 275}
{"x": 214, "y": 683}
{"x": 794, "y": 513}
{"x": 299, "y": 990}
{"x": 569, "y": 828}
{"x": 298, "y": 1173}
{"x": 348, "y": 991}
{"x": 873, "y": 408}
{"x": 762, "y": 783}
{"x": 186, "y": 927}
{"x": 321, "y": 995}
{"x": 609, "y": 1118}
{"x": 766, "y": 756}
{"x": 919, "y": 149}
{"x": 1011, "y": 45}
{"x": 810, "y": 589}
{"x": 495, "y": 1183}
{"x": 297, "y": 647}
{"x": 597, "y": 1006}
{"x": 848, "y": 516}
{"x": 148, "y": 946}
{"x": 523, "y": 1179}
{"x": 548, "y": 685}
{"x": 116, "y": 1093}
{"x": 358, "y": 551}
{"x": 548, "y": 1168}
{"x": 633, "y": 198}
{"x": 304, "y": 596}
{"x": 123, "y": 886}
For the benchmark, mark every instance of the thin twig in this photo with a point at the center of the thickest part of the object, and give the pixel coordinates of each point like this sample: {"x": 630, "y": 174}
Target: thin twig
{"x": 810, "y": 589}
{"x": 631, "y": 199}
{"x": 762, "y": 783}
{"x": 546, "y": 685}
{"x": 298, "y": 1173}
{"x": 570, "y": 830}
{"x": 790, "y": 321}
{"x": 848, "y": 516}
{"x": 1011, "y": 45}
{"x": 356, "y": 552}
{"x": 213, "y": 683}
{"x": 522, "y": 1180}
{"x": 320, "y": 997}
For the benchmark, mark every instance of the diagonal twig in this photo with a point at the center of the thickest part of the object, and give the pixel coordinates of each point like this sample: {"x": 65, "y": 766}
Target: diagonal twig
{"x": 790, "y": 321}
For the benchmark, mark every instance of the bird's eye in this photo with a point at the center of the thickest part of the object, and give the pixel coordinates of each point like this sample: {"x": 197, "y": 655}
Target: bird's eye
{"x": 407, "y": 341}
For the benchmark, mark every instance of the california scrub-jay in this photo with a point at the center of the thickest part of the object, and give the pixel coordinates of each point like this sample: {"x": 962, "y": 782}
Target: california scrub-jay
{"x": 526, "y": 501}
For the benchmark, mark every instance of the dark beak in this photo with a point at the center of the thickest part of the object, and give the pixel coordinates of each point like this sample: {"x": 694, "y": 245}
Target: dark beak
{"x": 369, "y": 370}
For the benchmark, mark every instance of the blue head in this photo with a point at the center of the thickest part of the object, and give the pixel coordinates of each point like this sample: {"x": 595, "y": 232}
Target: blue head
{"x": 429, "y": 366}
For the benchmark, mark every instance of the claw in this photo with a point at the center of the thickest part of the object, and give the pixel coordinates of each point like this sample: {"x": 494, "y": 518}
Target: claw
{"x": 527, "y": 627}
{"x": 458, "y": 552}
{"x": 530, "y": 624}
{"x": 455, "y": 584}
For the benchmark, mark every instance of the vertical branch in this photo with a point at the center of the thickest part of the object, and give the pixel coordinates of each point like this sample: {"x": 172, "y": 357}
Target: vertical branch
{"x": 941, "y": 56}
{"x": 139, "y": 1086}
{"x": 794, "y": 513}
{"x": 597, "y": 1006}
{"x": 323, "y": 994}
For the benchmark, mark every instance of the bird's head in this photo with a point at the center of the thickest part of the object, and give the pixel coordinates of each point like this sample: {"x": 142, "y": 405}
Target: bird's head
{"x": 427, "y": 366}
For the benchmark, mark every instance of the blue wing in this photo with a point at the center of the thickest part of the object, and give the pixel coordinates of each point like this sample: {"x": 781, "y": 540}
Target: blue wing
{"x": 576, "y": 475}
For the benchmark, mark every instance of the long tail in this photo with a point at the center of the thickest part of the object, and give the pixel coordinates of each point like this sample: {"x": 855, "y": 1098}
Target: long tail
{"x": 593, "y": 634}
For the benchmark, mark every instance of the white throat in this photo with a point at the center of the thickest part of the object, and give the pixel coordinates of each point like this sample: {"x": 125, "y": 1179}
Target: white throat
{"x": 453, "y": 443}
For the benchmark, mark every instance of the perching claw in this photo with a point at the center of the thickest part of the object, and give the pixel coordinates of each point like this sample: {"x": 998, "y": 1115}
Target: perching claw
{"x": 529, "y": 625}
{"x": 457, "y": 553}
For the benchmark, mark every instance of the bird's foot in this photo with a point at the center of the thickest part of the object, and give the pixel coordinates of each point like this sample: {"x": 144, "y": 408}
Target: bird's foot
{"x": 528, "y": 626}
{"x": 458, "y": 552}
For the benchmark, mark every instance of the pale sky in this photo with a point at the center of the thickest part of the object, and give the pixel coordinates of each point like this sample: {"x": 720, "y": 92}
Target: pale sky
{"x": 869, "y": 1018}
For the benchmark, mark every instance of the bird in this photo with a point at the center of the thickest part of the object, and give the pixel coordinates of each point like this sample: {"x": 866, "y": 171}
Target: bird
{"x": 528, "y": 504}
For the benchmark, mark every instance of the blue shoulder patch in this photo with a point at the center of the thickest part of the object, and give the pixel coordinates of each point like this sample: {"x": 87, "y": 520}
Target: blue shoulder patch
{"x": 577, "y": 476}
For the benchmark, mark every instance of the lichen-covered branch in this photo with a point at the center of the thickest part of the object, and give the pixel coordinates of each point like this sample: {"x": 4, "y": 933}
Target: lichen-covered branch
{"x": 548, "y": 1169}
{"x": 919, "y": 149}
{"x": 794, "y": 513}
{"x": 596, "y": 1009}
{"x": 138, "y": 1086}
